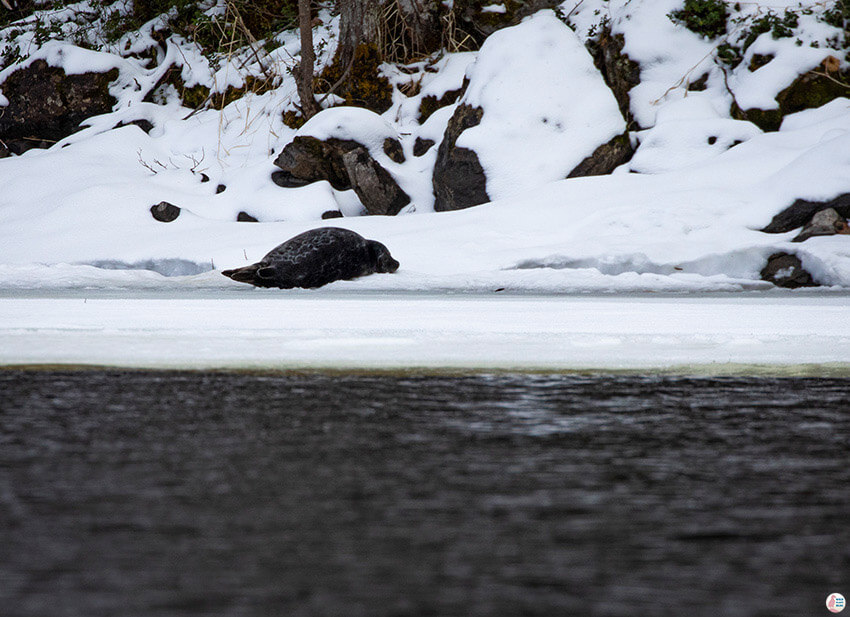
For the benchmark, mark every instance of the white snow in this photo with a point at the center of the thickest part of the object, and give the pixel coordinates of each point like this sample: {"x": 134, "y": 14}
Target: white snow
{"x": 546, "y": 107}
{"x": 350, "y": 123}
{"x": 681, "y": 218}
{"x": 328, "y": 330}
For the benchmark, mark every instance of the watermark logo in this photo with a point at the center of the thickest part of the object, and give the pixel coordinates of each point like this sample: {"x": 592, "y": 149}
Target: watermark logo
{"x": 836, "y": 603}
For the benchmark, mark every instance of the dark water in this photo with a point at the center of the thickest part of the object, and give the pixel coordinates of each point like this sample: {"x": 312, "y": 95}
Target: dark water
{"x": 176, "y": 493}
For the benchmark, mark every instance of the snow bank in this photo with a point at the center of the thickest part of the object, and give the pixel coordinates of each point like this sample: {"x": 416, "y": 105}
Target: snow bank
{"x": 688, "y": 221}
{"x": 326, "y": 330}
{"x": 546, "y": 107}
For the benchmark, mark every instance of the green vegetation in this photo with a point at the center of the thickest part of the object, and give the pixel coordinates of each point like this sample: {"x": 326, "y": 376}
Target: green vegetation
{"x": 361, "y": 84}
{"x": 779, "y": 27}
{"x": 106, "y": 21}
{"x": 705, "y": 17}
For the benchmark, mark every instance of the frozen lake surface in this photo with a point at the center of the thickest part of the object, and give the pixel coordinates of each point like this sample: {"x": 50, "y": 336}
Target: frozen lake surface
{"x": 247, "y": 328}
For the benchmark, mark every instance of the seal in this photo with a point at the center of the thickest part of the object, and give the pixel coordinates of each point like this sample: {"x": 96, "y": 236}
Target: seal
{"x": 315, "y": 258}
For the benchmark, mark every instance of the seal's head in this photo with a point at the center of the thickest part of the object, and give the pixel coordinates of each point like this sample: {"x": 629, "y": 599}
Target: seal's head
{"x": 381, "y": 258}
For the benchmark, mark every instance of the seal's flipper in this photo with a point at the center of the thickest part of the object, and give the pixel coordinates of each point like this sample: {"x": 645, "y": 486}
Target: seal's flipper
{"x": 246, "y": 274}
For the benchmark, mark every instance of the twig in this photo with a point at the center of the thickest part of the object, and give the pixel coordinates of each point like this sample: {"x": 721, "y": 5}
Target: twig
{"x": 830, "y": 78}
{"x": 573, "y": 10}
{"x": 338, "y": 82}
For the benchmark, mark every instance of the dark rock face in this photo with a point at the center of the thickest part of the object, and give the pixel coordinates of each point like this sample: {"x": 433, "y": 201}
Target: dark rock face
{"x": 421, "y": 146}
{"x": 165, "y": 212}
{"x": 307, "y": 159}
{"x": 220, "y": 189}
{"x": 809, "y": 91}
{"x": 699, "y": 85}
{"x": 801, "y": 212}
{"x": 459, "y": 180}
{"x": 331, "y": 214}
{"x": 621, "y": 74}
{"x": 346, "y": 165}
{"x": 479, "y": 24}
{"x": 145, "y": 125}
{"x": 606, "y": 158}
{"x": 431, "y": 103}
{"x": 378, "y": 191}
{"x": 825, "y": 223}
{"x": 47, "y": 105}
{"x": 244, "y": 217}
{"x": 785, "y": 270}
{"x": 287, "y": 180}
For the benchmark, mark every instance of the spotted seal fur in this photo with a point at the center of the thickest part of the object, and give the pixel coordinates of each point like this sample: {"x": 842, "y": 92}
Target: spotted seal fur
{"x": 315, "y": 258}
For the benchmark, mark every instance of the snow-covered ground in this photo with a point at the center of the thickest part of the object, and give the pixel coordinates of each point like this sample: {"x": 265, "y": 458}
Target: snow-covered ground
{"x": 682, "y": 217}
{"x": 774, "y": 333}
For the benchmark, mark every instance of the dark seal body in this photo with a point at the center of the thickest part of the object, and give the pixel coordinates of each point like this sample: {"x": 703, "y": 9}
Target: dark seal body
{"x": 315, "y": 258}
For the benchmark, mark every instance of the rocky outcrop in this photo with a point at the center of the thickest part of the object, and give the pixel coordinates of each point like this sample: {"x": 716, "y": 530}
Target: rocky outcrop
{"x": 479, "y": 23}
{"x": 345, "y": 164}
{"x": 165, "y": 212}
{"x": 801, "y": 212}
{"x": 375, "y": 187}
{"x": 421, "y": 146}
{"x": 459, "y": 180}
{"x": 786, "y": 270}
{"x": 825, "y": 223}
{"x": 431, "y": 103}
{"x": 809, "y": 91}
{"x": 46, "y": 105}
{"x": 307, "y": 159}
{"x": 606, "y": 158}
{"x": 620, "y": 72}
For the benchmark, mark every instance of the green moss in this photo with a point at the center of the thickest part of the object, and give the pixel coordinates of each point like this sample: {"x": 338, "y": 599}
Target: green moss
{"x": 362, "y": 86}
{"x": 705, "y": 17}
{"x": 293, "y": 119}
{"x": 809, "y": 91}
{"x": 765, "y": 119}
{"x": 199, "y": 96}
{"x": 838, "y": 15}
{"x": 729, "y": 54}
{"x": 760, "y": 60}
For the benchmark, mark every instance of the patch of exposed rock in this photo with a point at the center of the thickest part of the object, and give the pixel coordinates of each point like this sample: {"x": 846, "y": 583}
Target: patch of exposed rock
{"x": 480, "y": 23}
{"x": 809, "y": 91}
{"x": 825, "y": 223}
{"x": 459, "y": 180}
{"x": 606, "y": 158}
{"x": 620, "y": 72}
{"x": 492, "y": 136}
{"x": 345, "y": 164}
{"x": 165, "y": 212}
{"x": 46, "y": 105}
{"x": 378, "y": 191}
{"x": 786, "y": 270}
{"x": 801, "y": 212}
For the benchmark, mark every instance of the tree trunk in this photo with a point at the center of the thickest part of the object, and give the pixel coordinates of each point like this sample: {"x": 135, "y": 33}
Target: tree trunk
{"x": 422, "y": 29}
{"x": 359, "y": 24}
{"x": 304, "y": 70}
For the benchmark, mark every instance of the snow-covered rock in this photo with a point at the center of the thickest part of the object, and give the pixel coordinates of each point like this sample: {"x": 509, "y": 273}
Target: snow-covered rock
{"x": 544, "y": 108}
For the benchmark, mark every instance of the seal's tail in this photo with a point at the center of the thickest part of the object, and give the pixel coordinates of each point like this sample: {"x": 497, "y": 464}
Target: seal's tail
{"x": 246, "y": 274}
